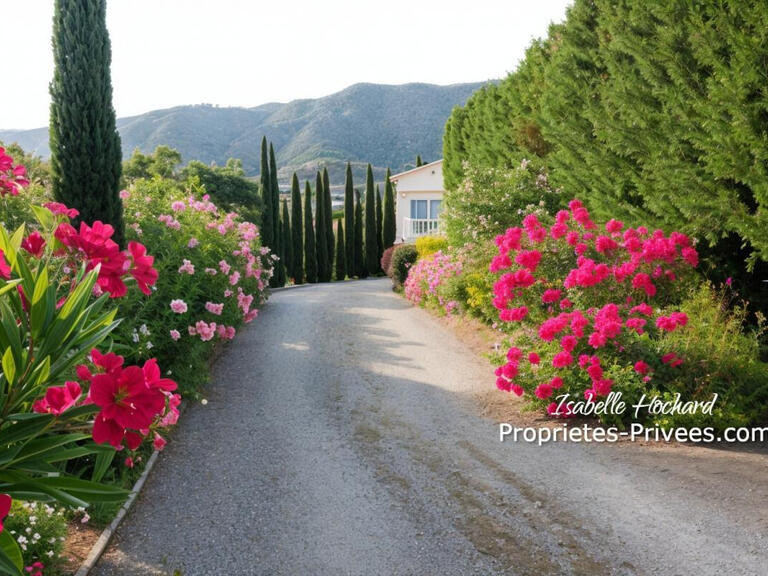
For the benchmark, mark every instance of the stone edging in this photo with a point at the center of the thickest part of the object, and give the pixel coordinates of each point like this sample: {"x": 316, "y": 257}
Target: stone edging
{"x": 101, "y": 544}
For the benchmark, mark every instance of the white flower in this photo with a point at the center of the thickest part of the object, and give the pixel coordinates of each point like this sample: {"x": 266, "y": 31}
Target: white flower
{"x": 144, "y": 330}
{"x": 204, "y": 402}
{"x": 149, "y": 345}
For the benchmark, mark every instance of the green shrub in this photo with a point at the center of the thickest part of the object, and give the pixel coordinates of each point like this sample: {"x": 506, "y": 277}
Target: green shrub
{"x": 428, "y": 245}
{"x": 404, "y": 256}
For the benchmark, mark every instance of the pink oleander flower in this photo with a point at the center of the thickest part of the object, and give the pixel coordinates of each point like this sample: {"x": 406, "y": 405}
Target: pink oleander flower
{"x": 192, "y": 242}
{"x": 224, "y": 267}
{"x": 234, "y": 278}
{"x": 58, "y": 399}
{"x": 204, "y": 330}
{"x": 178, "y": 206}
{"x": 175, "y": 335}
{"x": 213, "y": 308}
{"x": 187, "y": 268}
{"x": 124, "y": 194}
{"x": 179, "y": 306}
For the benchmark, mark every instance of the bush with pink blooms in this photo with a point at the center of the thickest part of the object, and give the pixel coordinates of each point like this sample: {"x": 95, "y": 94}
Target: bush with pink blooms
{"x": 426, "y": 279}
{"x": 213, "y": 276}
{"x": 61, "y": 398}
{"x": 593, "y": 309}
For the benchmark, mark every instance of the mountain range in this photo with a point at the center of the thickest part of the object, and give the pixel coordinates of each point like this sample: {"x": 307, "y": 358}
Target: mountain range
{"x": 385, "y": 125}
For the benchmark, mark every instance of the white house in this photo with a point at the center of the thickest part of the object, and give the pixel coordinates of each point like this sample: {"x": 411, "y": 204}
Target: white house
{"x": 419, "y": 200}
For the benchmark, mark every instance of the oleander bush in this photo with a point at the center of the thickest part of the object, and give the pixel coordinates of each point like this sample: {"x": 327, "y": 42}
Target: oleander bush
{"x": 426, "y": 278}
{"x": 386, "y": 260}
{"x": 39, "y": 530}
{"x": 213, "y": 276}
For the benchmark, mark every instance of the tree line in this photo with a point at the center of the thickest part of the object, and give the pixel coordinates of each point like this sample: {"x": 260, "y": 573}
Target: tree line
{"x": 309, "y": 246}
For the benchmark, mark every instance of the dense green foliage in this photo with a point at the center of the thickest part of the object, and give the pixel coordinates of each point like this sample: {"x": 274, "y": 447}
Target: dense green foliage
{"x": 403, "y": 257}
{"x": 286, "y": 240}
{"x": 359, "y": 268}
{"x": 297, "y": 237}
{"x": 349, "y": 221}
{"x": 364, "y": 123}
{"x": 340, "y": 263}
{"x": 389, "y": 226}
{"x": 86, "y": 158}
{"x": 310, "y": 252}
{"x": 267, "y": 229}
{"x": 279, "y": 277}
{"x": 163, "y": 163}
{"x": 328, "y": 215}
{"x": 379, "y": 225}
{"x": 371, "y": 241}
{"x": 321, "y": 232}
{"x": 652, "y": 111}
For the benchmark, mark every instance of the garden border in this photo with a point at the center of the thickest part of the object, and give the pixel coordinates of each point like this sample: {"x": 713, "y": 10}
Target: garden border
{"x": 106, "y": 536}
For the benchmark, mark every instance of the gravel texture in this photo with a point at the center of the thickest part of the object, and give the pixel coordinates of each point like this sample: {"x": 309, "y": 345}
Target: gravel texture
{"x": 342, "y": 436}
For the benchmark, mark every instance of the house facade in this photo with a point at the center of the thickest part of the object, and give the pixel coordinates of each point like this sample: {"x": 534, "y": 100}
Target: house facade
{"x": 419, "y": 200}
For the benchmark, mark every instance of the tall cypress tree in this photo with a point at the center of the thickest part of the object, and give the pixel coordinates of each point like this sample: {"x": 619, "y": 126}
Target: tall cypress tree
{"x": 371, "y": 243}
{"x": 349, "y": 223}
{"x": 86, "y": 160}
{"x": 267, "y": 222}
{"x": 419, "y": 162}
{"x": 360, "y": 269}
{"x": 279, "y": 278}
{"x": 389, "y": 229}
{"x": 379, "y": 225}
{"x": 341, "y": 269}
{"x": 297, "y": 236}
{"x": 328, "y": 208}
{"x": 310, "y": 253}
{"x": 321, "y": 231}
{"x": 286, "y": 240}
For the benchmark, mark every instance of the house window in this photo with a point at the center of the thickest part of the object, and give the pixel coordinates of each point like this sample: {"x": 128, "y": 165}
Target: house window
{"x": 419, "y": 209}
{"x": 435, "y": 208}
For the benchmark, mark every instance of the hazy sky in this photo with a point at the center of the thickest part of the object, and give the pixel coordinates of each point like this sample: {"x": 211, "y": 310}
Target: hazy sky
{"x": 245, "y": 53}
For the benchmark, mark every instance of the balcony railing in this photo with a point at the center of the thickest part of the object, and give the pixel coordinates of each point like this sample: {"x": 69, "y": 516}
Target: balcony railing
{"x": 415, "y": 227}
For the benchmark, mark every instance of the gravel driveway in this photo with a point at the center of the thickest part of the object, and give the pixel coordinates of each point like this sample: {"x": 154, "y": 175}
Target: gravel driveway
{"x": 342, "y": 436}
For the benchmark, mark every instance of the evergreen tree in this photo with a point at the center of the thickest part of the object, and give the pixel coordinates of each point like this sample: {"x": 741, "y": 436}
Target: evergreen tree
{"x": 328, "y": 217}
{"x": 389, "y": 228}
{"x": 287, "y": 241}
{"x": 371, "y": 243}
{"x": 279, "y": 278}
{"x": 321, "y": 231}
{"x": 379, "y": 225}
{"x": 297, "y": 236}
{"x": 349, "y": 223}
{"x": 310, "y": 252}
{"x": 419, "y": 161}
{"x": 341, "y": 269}
{"x": 86, "y": 160}
{"x": 267, "y": 224}
{"x": 360, "y": 269}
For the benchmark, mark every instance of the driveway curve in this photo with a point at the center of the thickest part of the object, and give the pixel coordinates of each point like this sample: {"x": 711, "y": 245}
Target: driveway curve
{"x": 342, "y": 436}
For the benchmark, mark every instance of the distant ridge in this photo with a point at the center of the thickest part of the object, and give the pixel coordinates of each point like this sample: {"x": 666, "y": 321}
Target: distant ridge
{"x": 382, "y": 124}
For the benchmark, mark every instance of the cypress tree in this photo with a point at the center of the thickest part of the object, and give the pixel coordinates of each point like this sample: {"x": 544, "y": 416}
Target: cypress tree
{"x": 286, "y": 241}
{"x": 341, "y": 269}
{"x": 390, "y": 224}
{"x": 310, "y": 253}
{"x": 86, "y": 160}
{"x": 297, "y": 236}
{"x": 371, "y": 243}
{"x": 279, "y": 278}
{"x": 328, "y": 217}
{"x": 360, "y": 269}
{"x": 267, "y": 223}
{"x": 349, "y": 223}
{"x": 419, "y": 161}
{"x": 379, "y": 225}
{"x": 321, "y": 231}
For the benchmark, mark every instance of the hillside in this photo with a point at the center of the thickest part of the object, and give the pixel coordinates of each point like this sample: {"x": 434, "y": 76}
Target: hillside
{"x": 382, "y": 124}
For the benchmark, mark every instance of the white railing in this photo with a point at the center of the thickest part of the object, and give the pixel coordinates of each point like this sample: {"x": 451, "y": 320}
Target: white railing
{"x": 415, "y": 227}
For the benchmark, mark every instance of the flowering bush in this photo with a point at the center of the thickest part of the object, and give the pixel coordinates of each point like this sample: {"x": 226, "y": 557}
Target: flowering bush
{"x": 39, "y": 530}
{"x": 403, "y": 257}
{"x": 60, "y": 398}
{"x": 386, "y": 260}
{"x": 428, "y": 245}
{"x": 213, "y": 275}
{"x": 490, "y": 200}
{"x": 592, "y": 309}
{"x": 426, "y": 278}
